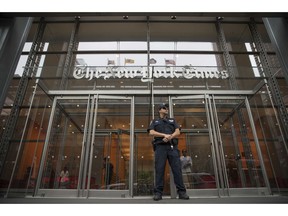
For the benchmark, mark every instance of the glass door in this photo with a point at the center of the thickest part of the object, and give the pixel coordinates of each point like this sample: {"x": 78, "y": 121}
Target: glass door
{"x": 238, "y": 152}
{"x": 109, "y": 164}
{"x": 219, "y": 135}
{"x": 87, "y": 148}
{"x": 66, "y": 139}
{"x": 192, "y": 114}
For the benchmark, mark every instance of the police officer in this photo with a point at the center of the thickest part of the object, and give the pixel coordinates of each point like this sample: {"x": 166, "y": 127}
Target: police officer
{"x": 165, "y": 130}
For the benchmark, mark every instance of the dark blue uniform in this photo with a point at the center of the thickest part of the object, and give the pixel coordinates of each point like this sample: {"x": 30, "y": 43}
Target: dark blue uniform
{"x": 164, "y": 151}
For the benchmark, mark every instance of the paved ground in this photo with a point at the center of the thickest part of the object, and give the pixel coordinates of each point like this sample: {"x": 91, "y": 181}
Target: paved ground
{"x": 232, "y": 206}
{"x": 148, "y": 200}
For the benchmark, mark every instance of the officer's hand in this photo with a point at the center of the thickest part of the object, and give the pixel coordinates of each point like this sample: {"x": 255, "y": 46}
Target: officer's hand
{"x": 167, "y": 138}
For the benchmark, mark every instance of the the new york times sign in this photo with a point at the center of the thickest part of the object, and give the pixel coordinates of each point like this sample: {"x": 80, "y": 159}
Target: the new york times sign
{"x": 146, "y": 75}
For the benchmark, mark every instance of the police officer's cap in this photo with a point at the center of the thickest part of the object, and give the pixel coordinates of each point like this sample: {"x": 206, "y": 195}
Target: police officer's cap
{"x": 162, "y": 106}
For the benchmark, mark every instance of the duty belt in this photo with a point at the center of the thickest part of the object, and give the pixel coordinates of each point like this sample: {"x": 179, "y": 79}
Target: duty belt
{"x": 161, "y": 142}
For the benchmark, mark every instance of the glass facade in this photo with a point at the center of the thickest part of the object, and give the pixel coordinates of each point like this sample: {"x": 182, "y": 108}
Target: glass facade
{"x": 74, "y": 122}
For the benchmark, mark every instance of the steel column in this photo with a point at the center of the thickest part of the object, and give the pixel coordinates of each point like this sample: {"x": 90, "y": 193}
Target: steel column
{"x": 31, "y": 63}
{"x": 272, "y": 81}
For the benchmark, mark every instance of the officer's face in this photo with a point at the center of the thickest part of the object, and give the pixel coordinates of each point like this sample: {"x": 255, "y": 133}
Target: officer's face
{"x": 164, "y": 110}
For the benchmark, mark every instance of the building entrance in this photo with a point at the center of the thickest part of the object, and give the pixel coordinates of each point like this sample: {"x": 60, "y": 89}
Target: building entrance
{"x": 93, "y": 147}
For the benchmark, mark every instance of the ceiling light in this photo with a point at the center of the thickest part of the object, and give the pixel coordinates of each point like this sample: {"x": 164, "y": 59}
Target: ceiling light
{"x": 125, "y": 17}
{"x": 173, "y": 17}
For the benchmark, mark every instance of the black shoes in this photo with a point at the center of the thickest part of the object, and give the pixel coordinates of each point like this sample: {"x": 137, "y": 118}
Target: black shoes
{"x": 157, "y": 197}
{"x": 183, "y": 196}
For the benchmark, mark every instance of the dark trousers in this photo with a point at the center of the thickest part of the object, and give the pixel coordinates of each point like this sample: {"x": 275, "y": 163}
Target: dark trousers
{"x": 162, "y": 153}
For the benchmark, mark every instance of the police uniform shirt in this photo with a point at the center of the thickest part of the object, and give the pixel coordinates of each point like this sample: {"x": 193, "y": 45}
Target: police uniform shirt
{"x": 165, "y": 125}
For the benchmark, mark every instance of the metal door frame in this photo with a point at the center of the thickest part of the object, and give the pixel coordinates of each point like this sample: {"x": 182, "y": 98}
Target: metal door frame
{"x": 217, "y": 149}
{"x": 89, "y": 131}
{"x": 59, "y": 192}
{"x": 89, "y": 193}
{"x": 198, "y": 192}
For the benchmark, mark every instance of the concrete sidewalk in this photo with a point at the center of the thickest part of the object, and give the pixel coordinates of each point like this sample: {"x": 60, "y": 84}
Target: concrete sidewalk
{"x": 149, "y": 200}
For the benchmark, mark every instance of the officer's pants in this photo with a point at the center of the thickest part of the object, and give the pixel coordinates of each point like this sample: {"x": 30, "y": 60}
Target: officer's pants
{"x": 162, "y": 153}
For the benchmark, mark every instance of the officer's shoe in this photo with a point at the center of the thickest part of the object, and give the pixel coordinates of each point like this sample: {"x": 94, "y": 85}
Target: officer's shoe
{"x": 183, "y": 196}
{"x": 157, "y": 197}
